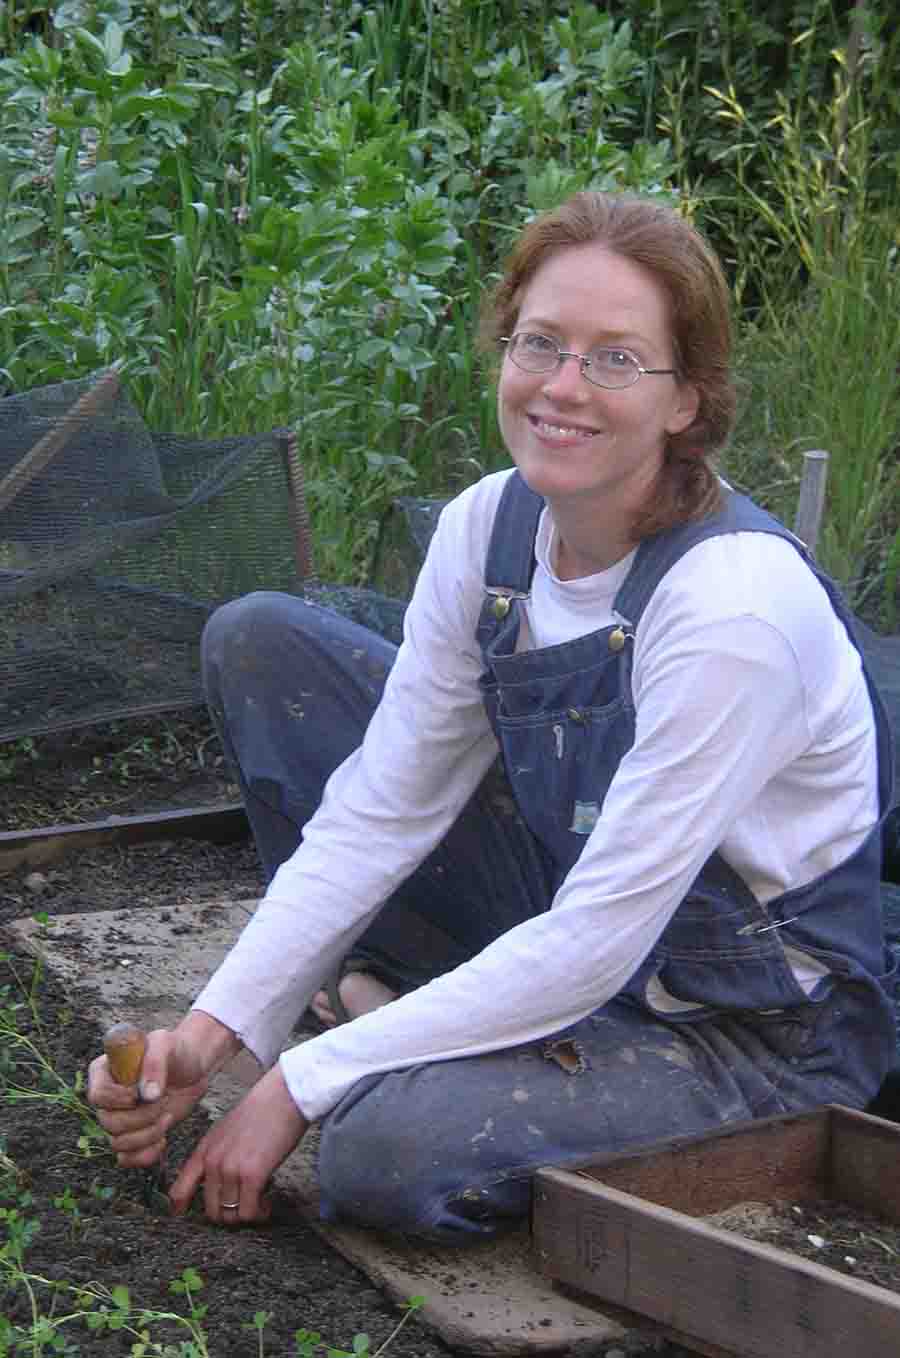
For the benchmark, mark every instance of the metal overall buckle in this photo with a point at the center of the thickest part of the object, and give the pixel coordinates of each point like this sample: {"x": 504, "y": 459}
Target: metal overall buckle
{"x": 503, "y": 597}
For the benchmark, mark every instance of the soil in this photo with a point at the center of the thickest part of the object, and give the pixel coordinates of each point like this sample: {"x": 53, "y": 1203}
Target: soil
{"x": 96, "y": 1222}
{"x": 858, "y": 1244}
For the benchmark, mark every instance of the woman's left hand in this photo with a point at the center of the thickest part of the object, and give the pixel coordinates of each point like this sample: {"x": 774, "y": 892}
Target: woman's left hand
{"x": 236, "y": 1158}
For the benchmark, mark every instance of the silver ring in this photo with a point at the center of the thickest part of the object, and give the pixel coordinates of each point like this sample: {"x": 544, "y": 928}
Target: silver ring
{"x": 229, "y": 1206}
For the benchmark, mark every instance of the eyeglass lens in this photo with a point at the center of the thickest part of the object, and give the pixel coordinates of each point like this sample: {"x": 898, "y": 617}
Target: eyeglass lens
{"x": 605, "y": 367}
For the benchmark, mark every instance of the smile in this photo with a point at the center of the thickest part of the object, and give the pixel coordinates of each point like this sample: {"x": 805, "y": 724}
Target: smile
{"x": 565, "y": 431}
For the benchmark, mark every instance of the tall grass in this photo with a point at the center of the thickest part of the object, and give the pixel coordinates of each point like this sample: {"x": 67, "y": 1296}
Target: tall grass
{"x": 825, "y": 371}
{"x": 285, "y": 214}
{"x": 820, "y": 338}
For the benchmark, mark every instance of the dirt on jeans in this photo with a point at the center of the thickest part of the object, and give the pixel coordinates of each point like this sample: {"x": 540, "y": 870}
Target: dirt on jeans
{"x": 96, "y": 1221}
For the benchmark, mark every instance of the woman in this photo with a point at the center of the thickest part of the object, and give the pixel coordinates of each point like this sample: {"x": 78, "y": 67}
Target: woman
{"x": 661, "y": 914}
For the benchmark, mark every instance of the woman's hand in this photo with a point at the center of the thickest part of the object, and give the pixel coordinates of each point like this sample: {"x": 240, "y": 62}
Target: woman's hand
{"x": 237, "y": 1157}
{"x": 174, "y": 1074}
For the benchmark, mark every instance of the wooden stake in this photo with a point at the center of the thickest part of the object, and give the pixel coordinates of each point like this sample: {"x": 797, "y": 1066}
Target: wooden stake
{"x": 812, "y": 498}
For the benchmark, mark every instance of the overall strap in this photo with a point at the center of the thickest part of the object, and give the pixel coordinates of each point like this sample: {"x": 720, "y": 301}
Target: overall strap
{"x": 656, "y": 555}
{"x": 510, "y": 558}
{"x": 739, "y": 514}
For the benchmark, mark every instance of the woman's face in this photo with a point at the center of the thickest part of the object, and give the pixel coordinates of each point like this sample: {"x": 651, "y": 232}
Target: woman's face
{"x": 567, "y": 436}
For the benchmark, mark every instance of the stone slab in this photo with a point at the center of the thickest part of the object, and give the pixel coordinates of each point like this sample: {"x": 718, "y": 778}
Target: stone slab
{"x": 146, "y": 965}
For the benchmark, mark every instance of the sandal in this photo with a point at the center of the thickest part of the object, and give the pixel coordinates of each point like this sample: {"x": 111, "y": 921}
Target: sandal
{"x": 331, "y": 985}
{"x": 332, "y": 988}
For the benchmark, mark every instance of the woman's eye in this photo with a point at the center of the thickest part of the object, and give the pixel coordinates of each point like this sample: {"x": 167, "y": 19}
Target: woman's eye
{"x": 538, "y": 344}
{"x": 611, "y": 358}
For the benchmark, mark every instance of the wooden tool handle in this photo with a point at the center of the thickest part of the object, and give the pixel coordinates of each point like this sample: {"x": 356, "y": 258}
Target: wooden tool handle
{"x": 124, "y": 1045}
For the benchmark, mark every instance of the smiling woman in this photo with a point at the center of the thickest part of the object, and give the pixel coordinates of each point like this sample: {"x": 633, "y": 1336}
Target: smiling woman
{"x": 657, "y": 910}
{"x": 594, "y": 450}
{"x": 683, "y": 277}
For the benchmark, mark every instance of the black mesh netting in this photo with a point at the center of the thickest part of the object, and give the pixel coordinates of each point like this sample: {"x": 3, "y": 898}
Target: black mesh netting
{"x": 115, "y": 543}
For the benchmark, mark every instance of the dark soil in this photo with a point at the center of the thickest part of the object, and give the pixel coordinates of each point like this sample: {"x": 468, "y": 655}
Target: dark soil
{"x": 858, "y": 1244}
{"x": 94, "y": 1223}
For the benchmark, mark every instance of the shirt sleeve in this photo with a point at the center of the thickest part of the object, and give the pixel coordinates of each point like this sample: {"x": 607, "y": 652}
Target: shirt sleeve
{"x": 720, "y": 709}
{"x": 426, "y": 749}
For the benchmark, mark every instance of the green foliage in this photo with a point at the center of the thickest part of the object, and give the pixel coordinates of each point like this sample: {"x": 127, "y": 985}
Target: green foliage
{"x": 28, "y": 1067}
{"x": 278, "y": 214}
{"x": 825, "y": 369}
{"x": 14, "y": 756}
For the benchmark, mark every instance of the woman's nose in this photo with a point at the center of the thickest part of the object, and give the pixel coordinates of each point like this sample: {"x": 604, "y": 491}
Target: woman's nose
{"x": 567, "y": 379}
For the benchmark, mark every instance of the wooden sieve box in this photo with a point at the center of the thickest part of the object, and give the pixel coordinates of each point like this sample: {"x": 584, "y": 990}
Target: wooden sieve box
{"x": 625, "y": 1232}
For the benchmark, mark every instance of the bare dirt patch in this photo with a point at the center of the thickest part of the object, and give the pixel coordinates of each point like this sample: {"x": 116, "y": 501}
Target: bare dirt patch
{"x": 858, "y": 1244}
{"x": 111, "y": 1233}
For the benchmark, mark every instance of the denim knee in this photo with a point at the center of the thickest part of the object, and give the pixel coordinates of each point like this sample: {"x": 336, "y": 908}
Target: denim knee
{"x": 255, "y": 620}
{"x": 384, "y": 1166}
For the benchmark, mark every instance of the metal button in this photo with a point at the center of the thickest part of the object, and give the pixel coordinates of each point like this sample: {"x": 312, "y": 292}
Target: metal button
{"x": 616, "y": 639}
{"x": 501, "y": 607}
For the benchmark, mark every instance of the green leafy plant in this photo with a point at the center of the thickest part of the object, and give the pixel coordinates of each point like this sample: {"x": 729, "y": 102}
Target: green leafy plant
{"x": 286, "y": 214}
{"x": 28, "y": 1069}
{"x": 15, "y": 754}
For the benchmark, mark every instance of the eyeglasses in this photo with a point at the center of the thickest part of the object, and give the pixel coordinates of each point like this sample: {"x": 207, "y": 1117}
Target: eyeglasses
{"x": 610, "y": 368}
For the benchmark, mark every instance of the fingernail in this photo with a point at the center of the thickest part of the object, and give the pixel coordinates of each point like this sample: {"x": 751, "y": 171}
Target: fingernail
{"x": 149, "y": 1090}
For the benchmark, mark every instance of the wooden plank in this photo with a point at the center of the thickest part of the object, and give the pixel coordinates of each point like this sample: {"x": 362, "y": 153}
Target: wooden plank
{"x": 127, "y": 712}
{"x": 865, "y": 1156}
{"x": 780, "y": 1157}
{"x": 637, "y": 1327}
{"x": 744, "y": 1296}
{"x": 37, "y": 848}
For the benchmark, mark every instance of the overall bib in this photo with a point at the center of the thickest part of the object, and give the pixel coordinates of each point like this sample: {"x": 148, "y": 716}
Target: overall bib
{"x": 564, "y": 718}
{"x": 447, "y": 1150}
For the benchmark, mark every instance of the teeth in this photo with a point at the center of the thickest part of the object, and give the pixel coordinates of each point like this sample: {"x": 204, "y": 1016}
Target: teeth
{"x": 565, "y": 431}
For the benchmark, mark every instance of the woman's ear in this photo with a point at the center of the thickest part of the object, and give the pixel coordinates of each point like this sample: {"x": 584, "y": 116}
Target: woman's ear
{"x": 685, "y": 408}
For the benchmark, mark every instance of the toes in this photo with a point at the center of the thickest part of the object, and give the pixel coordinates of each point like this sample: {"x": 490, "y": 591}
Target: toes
{"x": 321, "y": 1007}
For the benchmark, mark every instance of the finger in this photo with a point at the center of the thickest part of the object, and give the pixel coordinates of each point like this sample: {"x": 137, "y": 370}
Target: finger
{"x": 155, "y": 1069}
{"x": 142, "y": 1159}
{"x": 213, "y": 1196}
{"x": 229, "y": 1204}
{"x": 119, "y": 1120}
{"x": 130, "y": 1139}
{"x": 104, "y": 1091}
{"x": 187, "y": 1181}
{"x": 253, "y": 1206}
{"x": 229, "y": 1196}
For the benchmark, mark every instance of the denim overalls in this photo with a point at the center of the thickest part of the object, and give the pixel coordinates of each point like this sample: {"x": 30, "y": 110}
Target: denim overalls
{"x": 564, "y": 718}
{"x": 446, "y": 1150}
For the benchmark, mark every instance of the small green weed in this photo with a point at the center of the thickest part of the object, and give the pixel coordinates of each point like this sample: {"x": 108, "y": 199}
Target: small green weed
{"x": 28, "y": 1071}
{"x": 14, "y": 755}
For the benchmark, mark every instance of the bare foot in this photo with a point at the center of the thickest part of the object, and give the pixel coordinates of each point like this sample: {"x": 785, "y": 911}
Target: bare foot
{"x": 360, "y": 993}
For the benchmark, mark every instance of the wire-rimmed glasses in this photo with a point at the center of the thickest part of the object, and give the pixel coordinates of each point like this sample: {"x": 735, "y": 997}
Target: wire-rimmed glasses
{"x": 612, "y": 368}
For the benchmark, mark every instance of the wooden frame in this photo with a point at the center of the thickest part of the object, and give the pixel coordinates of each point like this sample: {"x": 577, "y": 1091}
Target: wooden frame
{"x": 38, "y": 848}
{"x": 624, "y": 1231}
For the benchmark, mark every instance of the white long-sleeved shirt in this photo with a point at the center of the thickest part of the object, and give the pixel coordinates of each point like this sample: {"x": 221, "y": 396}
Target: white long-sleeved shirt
{"x": 754, "y": 736}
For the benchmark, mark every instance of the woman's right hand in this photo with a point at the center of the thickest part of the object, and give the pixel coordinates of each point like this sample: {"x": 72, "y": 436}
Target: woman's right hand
{"x": 174, "y": 1075}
